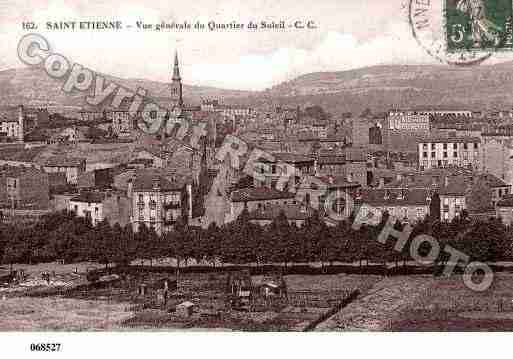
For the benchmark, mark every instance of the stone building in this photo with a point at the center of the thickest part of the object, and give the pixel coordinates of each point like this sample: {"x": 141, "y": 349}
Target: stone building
{"x": 23, "y": 188}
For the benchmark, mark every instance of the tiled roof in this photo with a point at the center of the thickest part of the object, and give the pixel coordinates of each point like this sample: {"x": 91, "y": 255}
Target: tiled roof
{"x": 492, "y": 180}
{"x": 292, "y": 157}
{"x": 507, "y": 201}
{"x": 260, "y": 194}
{"x": 145, "y": 180}
{"x": 391, "y": 197}
{"x": 292, "y": 212}
{"x": 338, "y": 182}
{"x": 15, "y": 171}
{"x": 330, "y": 160}
{"x": 450, "y": 140}
{"x": 89, "y": 197}
{"x": 23, "y": 155}
{"x": 58, "y": 161}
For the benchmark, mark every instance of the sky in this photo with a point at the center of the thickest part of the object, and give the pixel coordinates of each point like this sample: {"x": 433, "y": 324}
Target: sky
{"x": 349, "y": 34}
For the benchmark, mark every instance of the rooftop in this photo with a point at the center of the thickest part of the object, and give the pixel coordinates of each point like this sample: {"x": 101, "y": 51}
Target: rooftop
{"x": 89, "y": 197}
{"x": 20, "y": 155}
{"x": 507, "y": 201}
{"x": 396, "y": 197}
{"x": 260, "y": 194}
{"x": 292, "y": 212}
{"x": 450, "y": 140}
{"x": 149, "y": 179}
{"x": 62, "y": 161}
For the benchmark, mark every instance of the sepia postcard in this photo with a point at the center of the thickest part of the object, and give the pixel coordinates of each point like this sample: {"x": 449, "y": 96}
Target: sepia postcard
{"x": 336, "y": 166}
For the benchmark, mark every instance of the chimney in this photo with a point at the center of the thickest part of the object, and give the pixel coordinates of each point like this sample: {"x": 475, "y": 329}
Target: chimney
{"x": 189, "y": 197}
{"x": 130, "y": 188}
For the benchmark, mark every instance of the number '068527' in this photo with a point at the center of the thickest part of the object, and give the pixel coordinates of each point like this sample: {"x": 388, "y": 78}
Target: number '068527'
{"x": 45, "y": 347}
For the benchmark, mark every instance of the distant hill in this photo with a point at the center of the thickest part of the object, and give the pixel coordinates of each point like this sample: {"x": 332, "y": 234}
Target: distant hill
{"x": 384, "y": 87}
{"x": 379, "y": 88}
{"x": 32, "y": 86}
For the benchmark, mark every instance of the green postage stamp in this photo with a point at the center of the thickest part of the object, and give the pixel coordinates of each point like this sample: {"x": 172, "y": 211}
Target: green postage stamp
{"x": 479, "y": 25}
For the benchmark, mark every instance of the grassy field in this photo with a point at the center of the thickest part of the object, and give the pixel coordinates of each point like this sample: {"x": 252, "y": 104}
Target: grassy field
{"x": 448, "y": 305}
{"x": 399, "y": 303}
{"x": 32, "y": 314}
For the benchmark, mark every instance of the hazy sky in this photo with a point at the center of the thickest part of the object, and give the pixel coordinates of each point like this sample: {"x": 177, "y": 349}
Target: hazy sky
{"x": 350, "y": 34}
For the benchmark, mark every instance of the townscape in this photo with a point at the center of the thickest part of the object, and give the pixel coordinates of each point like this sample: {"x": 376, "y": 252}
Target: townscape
{"x": 154, "y": 230}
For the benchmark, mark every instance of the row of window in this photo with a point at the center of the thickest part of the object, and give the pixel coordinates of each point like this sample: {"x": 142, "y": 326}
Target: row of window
{"x": 454, "y": 146}
{"x": 446, "y": 155}
{"x": 445, "y": 163}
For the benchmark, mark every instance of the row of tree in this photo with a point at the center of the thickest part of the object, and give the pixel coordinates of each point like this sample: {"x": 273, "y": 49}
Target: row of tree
{"x": 62, "y": 236}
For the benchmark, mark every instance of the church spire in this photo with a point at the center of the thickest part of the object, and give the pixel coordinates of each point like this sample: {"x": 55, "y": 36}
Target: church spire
{"x": 176, "y": 68}
{"x": 176, "y": 84}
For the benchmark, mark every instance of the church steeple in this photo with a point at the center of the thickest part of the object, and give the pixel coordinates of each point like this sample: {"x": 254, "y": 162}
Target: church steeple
{"x": 176, "y": 84}
{"x": 176, "y": 69}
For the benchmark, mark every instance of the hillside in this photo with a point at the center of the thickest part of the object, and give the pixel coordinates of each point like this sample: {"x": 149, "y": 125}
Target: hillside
{"x": 34, "y": 87}
{"x": 379, "y": 88}
{"x": 385, "y": 87}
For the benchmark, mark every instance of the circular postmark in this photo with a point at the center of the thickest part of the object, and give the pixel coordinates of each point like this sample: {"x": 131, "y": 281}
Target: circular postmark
{"x": 428, "y": 22}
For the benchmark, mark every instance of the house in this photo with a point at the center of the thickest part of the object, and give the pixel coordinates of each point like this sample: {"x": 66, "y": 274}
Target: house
{"x": 295, "y": 213}
{"x": 504, "y": 210}
{"x": 72, "y": 167}
{"x": 272, "y": 169}
{"x": 157, "y": 157}
{"x": 499, "y": 188}
{"x": 17, "y": 121}
{"x": 21, "y": 156}
{"x": 98, "y": 206}
{"x": 159, "y": 199}
{"x": 258, "y": 198}
{"x": 449, "y": 152}
{"x": 453, "y": 200}
{"x": 88, "y": 205}
{"x": 24, "y": 188}
{"x": 405, "y": 204}
{"x": 69, "y": 134}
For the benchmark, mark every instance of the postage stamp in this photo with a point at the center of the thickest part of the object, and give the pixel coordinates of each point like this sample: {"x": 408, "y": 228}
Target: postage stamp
{"x": 478, "y": 25}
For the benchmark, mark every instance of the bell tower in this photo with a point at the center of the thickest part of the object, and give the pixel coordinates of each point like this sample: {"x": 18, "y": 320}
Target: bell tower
{"x": 176, "y": 84}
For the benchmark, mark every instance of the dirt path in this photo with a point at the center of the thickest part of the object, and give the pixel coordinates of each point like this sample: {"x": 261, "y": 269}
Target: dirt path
{"x": 381, "y": 305}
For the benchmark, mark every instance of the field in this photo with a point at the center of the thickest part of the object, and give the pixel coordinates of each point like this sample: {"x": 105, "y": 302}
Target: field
{"x": 318, "y": 302}
{"x": 119, "y": 305}
{"x": 448, "y": 305}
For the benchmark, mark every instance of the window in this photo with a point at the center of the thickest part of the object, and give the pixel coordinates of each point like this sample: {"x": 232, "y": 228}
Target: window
{"x": 445, "y": 154}
{"x": 476, "y": 145}
{"x": 433, "y": 154}
{"x": 455, "y": 146}
{"x": 445, "y": 146}
{"x": 141, "y": 199}
{"x": 433, "y": 146}
{"x": 465, "y": 146}
{"x": 424, "y": 146}
{"x": 455, "y": 154}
